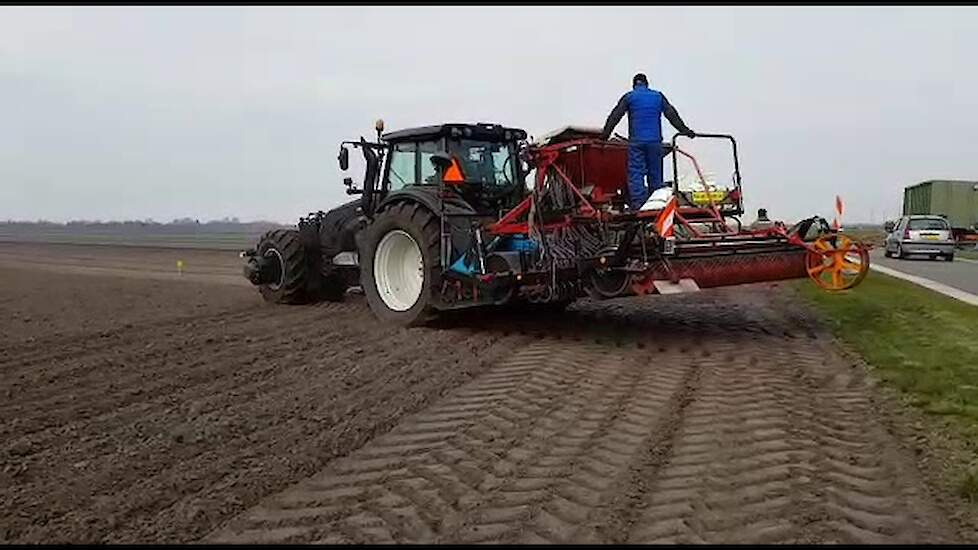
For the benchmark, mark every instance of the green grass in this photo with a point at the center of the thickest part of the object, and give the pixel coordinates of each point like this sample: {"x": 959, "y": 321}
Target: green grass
{"x": 868, "y": 236}
{"x": 973, "y": 254}
{"x": 920, "y": 343}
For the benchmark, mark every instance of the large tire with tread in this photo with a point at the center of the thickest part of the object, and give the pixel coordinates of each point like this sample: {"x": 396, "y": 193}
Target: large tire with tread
{"x": 410, "y": 225}
{"x": 291, "y": 288}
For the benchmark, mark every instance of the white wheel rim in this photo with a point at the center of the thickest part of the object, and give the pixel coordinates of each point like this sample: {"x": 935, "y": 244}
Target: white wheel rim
{"x": 399, "y": 270}
{"x": 281, "y": 271}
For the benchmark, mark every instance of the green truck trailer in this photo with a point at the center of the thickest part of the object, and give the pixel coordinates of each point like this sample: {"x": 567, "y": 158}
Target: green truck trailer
{"x": 956, "y": 200}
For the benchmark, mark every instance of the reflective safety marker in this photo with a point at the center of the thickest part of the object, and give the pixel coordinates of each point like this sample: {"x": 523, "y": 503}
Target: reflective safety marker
{"x": 180, "y": 267}
{"x": 838, "y": 213}
{"x": 664, "y": 224}
{"x": 454, "y": 173}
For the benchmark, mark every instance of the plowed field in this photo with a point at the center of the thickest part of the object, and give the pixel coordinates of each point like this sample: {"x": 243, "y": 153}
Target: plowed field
{"x": 143, "y": 405}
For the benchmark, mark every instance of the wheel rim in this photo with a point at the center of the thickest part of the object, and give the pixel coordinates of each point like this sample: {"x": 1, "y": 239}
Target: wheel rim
{"x": 399, "y": 270}
{"x": 281, "y": 268}
{"x": 839, "y": 264}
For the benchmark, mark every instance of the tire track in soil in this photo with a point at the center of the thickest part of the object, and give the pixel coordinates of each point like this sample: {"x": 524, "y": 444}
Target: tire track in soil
{"x": 779, "y": 446}
{"x": 510, "y": 456}
{"x": 751, "y": 431}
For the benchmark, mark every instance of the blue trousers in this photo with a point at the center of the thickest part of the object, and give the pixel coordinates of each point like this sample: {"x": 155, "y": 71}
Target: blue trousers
{"x": 644, "y": 159}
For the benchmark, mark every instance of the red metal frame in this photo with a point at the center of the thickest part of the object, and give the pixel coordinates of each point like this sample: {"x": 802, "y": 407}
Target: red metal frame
{"x": 544, "y": 159}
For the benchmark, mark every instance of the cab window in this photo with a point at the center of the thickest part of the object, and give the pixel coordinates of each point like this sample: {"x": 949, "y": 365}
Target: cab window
{"x": 402, "y": 166}
{"x": 427, "y": 170}
{"x": 487, "y": 163}
{"x": 410, "y": 164}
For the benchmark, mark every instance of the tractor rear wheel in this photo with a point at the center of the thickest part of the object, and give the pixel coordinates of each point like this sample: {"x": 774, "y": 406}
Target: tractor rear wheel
{"x": 284, "y": 248}
{"x": 401, "y": 264}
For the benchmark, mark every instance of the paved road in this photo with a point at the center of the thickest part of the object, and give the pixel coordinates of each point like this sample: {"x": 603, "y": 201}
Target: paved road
{"x": 961, "y": 273}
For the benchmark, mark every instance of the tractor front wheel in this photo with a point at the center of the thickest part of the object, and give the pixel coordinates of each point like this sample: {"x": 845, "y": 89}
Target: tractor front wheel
{"x": 401, "y": 264}
{"x": 283, "y": 249}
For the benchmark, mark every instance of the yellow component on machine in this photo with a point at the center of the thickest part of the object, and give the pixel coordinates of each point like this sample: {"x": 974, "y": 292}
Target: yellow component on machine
{"x": 704, "y": 197}
{"x": 836, "y": 262}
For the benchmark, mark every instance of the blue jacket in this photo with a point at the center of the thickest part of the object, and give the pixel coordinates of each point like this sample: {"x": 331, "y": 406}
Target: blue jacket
{"x": 645, "y": 108}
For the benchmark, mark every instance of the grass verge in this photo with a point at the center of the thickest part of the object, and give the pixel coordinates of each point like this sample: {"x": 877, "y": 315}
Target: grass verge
{"x": 920, "y": 343}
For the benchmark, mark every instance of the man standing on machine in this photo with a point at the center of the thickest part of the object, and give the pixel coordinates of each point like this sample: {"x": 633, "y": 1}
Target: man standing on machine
{"x": 645, "y": 108}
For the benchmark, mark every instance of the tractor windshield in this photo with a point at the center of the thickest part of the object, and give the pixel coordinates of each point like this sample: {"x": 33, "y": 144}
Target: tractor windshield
{"x": 488, "y": 163}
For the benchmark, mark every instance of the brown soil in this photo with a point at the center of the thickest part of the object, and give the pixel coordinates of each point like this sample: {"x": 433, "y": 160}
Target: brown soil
{"x": 139, "y": 409}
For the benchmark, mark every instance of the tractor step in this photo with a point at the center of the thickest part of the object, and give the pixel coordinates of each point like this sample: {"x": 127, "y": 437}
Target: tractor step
{"x": 346, "y": 258}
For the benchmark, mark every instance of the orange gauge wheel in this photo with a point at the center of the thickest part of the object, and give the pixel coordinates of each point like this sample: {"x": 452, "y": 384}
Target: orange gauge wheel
{"x": 836, "y": 262}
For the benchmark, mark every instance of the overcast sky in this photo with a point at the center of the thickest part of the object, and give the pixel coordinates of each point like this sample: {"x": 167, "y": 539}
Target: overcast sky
{"x": 164, "y": 112}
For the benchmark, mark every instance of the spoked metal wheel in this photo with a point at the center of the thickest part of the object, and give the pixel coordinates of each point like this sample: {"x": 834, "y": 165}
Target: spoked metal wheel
{"x": 837, "y": 262}
{"x": 399, "y": 270}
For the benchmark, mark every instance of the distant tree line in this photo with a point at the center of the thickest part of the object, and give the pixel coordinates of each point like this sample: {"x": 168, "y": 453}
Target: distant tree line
{"x": 145, "y": 222}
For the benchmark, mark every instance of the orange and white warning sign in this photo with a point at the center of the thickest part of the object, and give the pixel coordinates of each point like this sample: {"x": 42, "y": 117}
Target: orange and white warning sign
{"x": 838, "y": 213}
{"x": 664, "y": 224}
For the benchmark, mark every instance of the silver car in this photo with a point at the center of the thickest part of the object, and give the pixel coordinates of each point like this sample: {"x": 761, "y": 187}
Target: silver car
{"x": 919, "y": 235}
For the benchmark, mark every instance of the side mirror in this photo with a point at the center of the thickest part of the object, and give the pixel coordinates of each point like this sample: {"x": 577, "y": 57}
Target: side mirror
{"x": 889, "y": 227}
{"x": 344, "y": 158}
{"x": 441, "y": 160}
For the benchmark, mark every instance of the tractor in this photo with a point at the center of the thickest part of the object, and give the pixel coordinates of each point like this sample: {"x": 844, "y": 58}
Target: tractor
{"x": 407, "y": 241}
{"x": 445, "y": 220}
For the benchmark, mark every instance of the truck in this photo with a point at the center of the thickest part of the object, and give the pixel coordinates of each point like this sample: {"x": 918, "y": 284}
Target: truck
{"x": 954, "y": 200}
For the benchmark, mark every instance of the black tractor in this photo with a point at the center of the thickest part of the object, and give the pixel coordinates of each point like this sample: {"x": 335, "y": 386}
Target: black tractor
{"x": 425, "y": 195}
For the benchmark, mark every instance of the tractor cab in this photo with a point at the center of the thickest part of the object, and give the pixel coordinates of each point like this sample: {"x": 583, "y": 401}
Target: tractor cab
{"x": 481, "y": 163}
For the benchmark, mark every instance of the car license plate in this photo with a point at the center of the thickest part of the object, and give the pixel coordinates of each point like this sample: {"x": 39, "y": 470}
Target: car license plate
{"x": 930, "y": 237}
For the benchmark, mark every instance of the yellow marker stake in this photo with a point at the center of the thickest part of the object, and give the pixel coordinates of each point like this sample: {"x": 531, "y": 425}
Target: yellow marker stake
{"x": 180, "y": 267}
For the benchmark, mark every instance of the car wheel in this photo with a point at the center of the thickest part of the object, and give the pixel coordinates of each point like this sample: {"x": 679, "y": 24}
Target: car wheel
{"x": 887, "y": 253}
{"x": 949, "y": 257}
